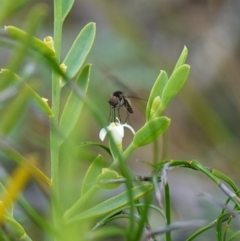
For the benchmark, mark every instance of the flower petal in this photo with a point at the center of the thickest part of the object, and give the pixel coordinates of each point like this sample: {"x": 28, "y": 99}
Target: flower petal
{"x": 129, "y": 127}
{"x": 102, "y": 134}
{"x": 120, "y": 130}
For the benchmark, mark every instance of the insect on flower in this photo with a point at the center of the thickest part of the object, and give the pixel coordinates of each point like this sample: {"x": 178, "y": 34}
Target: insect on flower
{"x": 116, "y": 101}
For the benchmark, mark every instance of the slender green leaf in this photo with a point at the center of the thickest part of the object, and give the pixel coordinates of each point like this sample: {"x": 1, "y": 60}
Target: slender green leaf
{"x": 234, "y": 236}
{"x": 104, "y": 233}
{"x": 92, "y": 143}
{"x": 175, "y": 83}
{"x": 10, "y": 78}
{"x": 79, "y": 50}
{"x": 66, "y": 7}
{"x": 14, "y": 228}
{"x": 82, "y": 204}
{"x": 151, "y": 131}
{"x": 156, "y": 91}
{"x": 11, "y": 114}
{"x": 9, "y": 7}
{"x": 35, "y": 216}
{"x": 74, "y": 105}
{"x": 113, "y": 203}
{"x": 200, "y": 231}
{"x": 16, "y": 156}
{"x": 182, "y": 58}
{"x": 173, "y": 86}
{"x": 93, "y": 171}
{"x": 35, "y": 43}
{"x": 3, "y": 192}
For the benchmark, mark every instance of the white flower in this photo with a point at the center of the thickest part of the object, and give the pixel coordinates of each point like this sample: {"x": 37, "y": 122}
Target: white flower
{"x": 117, "y": 131}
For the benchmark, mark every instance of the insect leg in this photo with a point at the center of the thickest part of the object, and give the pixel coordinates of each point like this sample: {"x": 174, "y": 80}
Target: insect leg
{"x": 127, "y": 118}
{"x": 119, "y": 115}
{"x": 110, "y": 116}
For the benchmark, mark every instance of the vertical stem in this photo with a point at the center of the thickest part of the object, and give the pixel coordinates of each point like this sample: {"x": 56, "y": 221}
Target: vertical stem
{"x": 54, "y": 146}
{"x": 56, "y": 99}
{"x": 167, "y": 211}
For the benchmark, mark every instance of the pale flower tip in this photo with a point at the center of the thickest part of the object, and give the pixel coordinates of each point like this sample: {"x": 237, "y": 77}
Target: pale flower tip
{"x": 102, "y": 134}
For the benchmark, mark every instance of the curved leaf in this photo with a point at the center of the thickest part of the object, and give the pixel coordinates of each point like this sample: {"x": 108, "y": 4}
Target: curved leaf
{"x": 93, "y": 171}
{"x": 4, "y": 192}
{"x": 79, "y": 50}
{"x": 10, "y": 78}
{"x": 74, "y": 105}
{"x": 157, "y": 90}
{"x": 151, "y": 131}
{"x": 182, "y": 58}
{"x": 92, "y": 143}
{"x": 16, "y": 156}
{"x": 175, "y": 83}
{"x": 9, "y": 119}
{"x": 66, "y": 7}
{"x": 114, "y": 203}
{"x": 35, "y": 43}
{"x": 173, "y": 86}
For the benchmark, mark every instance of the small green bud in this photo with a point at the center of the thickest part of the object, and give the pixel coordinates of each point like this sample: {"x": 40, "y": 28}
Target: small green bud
{"x": 155, "y": 105}
{"x": 106, "y": 179}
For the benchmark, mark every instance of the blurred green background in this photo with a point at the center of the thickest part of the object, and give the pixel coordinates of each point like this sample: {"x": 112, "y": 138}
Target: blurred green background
{"x": 135, "y": 40}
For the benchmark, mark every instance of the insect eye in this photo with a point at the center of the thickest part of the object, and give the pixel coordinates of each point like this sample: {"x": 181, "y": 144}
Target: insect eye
{"x": 113, "y": 100}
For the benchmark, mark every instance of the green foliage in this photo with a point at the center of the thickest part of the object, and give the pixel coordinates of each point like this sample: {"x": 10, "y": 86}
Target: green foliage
{"x": 66, "y": 7}
{"x": 77, "y": 206}
{"x": 75, "y": 58}
{"x": 74, "y": 105}
{"x": 151, "y": 131}
{"x": 94, "y": 170}
{"x": 156, "y": 94}
{"x": 112, "y": 204}
{"x": 105, "y": 176}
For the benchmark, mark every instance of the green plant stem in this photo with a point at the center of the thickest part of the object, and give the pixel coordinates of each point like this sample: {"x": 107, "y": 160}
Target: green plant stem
{"x": 168, "y": 211}
{"x": 125, "y": 155}
{"x": 54, "y": 120}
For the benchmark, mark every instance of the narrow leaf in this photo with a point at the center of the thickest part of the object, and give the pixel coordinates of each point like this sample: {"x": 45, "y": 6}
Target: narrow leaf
{"x": 175, "y": 83}
{"x": 151, "y": 131}
{"x": 79, "y": 50}
{"x": 12, "y": 78}
{"x": 10, "y": 118}
{"x": 182, "y": 58}
{"x": 66, "y": 7}
{"x": 35, "y": 43}
{"x": 74, "y": 105}
{"x": 92, "y": 143}
{"x": 173, "y": 86}
{"x": 16, "y": 156}
{"x": 14, "y": 228}
{"x": 3, "y": 192}
{"x": 112, "y": 204}
{"x": 157, "y": 90}
{"x": 93, "y": 171}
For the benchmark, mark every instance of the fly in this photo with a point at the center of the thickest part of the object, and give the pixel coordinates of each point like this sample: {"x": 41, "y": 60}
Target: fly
{"x": 118, "y": 100}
